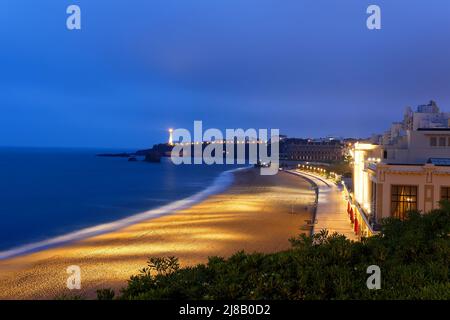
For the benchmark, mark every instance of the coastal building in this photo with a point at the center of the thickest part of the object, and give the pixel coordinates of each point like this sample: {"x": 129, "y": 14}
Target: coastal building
{"x": 320, "y": 150}
{"x": 408, "y": 168}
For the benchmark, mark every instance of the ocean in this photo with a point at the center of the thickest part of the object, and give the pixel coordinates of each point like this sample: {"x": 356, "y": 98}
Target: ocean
{"x": 53, "y": 196}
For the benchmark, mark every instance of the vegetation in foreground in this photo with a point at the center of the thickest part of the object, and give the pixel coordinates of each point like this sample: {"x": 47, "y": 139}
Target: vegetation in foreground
{"x": 413, "y": 255}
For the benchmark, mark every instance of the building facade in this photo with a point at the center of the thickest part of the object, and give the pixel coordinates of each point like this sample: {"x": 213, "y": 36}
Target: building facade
{"x": 409, "y": 169}
{"x": 322, "y": 150}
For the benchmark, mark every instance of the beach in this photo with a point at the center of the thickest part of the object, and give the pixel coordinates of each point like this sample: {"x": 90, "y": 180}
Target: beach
{"x": 256, "y": 214}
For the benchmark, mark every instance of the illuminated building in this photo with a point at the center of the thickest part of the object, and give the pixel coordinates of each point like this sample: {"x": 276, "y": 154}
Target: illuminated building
{"x": 409, "y": 169}
{"x": 324, "y": 150}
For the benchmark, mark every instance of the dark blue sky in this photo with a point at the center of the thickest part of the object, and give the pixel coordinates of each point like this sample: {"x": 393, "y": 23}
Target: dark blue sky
{"x": 137, "y": 67}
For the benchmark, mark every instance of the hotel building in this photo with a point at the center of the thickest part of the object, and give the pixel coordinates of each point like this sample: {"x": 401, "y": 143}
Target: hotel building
{"x": 406, "y": 168}
{"x": 320, "y": 150}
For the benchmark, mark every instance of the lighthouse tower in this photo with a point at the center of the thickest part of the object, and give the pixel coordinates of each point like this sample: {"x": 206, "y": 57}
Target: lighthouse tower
{"x": 171, "y": 137}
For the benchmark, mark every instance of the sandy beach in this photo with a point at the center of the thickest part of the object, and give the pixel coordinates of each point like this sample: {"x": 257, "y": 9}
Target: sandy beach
{"x": 256, "y": 214}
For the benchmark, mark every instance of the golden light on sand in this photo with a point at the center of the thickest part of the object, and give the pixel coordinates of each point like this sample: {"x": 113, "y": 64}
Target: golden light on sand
{"x": 255, "y": 214}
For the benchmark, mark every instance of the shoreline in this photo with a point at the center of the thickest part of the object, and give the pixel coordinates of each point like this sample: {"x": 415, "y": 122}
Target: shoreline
{"x": 254, "y": 214}
{"x": 220, "y": 184}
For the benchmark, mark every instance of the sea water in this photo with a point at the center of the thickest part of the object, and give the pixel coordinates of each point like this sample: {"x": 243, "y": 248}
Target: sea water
{"x": 52, "y": 196}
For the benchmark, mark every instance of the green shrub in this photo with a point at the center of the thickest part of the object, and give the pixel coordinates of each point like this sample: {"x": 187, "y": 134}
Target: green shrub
{"x": 70, "y": 297}
{"x": 413, "y": 255}
{"x": 105, "y": 294}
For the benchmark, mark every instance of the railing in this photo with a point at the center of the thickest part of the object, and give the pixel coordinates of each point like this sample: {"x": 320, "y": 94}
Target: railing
{"x": 361, "y": 221}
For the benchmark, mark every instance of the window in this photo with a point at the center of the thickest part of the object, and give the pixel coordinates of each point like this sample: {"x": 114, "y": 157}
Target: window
{"x": 433, "y": 142}
{"x": 403, "y": 200}
{"x": 442, "y": 142}
{"x": 445, "y": 193}
{"x": 385, "y": 154}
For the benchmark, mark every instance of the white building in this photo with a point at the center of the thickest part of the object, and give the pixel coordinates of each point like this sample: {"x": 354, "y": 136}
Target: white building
{"x": 409, "y": 169}
{"x": 429, "y": 116}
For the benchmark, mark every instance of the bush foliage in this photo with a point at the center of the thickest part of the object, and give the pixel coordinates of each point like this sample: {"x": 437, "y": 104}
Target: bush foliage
{"x": 413, "y": 256}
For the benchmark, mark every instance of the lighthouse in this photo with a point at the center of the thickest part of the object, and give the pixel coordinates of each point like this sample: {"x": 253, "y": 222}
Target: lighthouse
{"x": 170, "y": 137}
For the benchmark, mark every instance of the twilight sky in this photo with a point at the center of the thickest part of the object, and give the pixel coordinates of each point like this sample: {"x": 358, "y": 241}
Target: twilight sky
{"x": 308, "y": 67}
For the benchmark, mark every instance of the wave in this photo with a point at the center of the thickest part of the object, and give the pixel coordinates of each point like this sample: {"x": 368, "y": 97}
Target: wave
{"x": 221, "y": 183}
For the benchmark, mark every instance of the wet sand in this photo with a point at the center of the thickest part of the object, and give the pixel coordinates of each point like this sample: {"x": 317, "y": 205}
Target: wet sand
{"x": 256, "y": 214}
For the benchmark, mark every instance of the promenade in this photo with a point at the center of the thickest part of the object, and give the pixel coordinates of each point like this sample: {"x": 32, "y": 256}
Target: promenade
{"x": 331, "y": 211}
